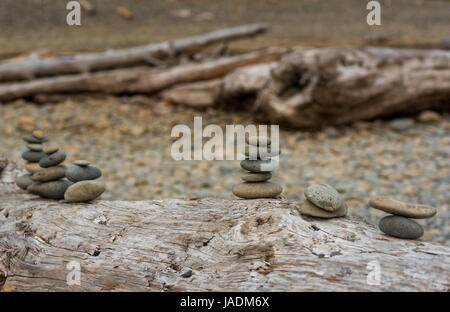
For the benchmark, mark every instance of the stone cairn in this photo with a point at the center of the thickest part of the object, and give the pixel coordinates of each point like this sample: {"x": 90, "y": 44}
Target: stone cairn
{"x": 399, "y": 224}
{"x": 259, "y": 166}
{"x": 47, "y": 176}
{"x": 86, "y": 183}
{"x": 323, "y": 201}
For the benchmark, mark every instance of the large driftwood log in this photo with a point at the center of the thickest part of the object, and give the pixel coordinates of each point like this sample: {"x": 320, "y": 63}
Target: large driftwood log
{"x": 82, "y": 63}
{"x": 240, "y": 245}
{"x": 327, "y": 86}
{"x": 138, "y": 79}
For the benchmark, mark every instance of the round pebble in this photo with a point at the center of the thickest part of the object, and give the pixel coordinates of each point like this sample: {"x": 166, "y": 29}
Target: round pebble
{"x": 259, "y": 165}
{"x": 308, "y": 208}
{"x": 249, "y": 190}
{"x": 33, "y": 156}
{"x": 50, "y": 149}
{"x": 50, "y": 174}
{"x": 37, "y": 147}
{"x": 256, "y": 177}
{"x": 78, "y": 173}
{"x": 31, "y": 139}
{"x": 84, "y": 191}
{"x": 32, "y": 167}
{"x": 258, "y": 140}
{"x": 24, "y": 181}
{"x": 324, "y": 196}
{"x": 38, "y": 134}
{"x": 400, "y": 208}
{"x": 400, "y": 227}
{"x": 52, "y": 159}
{"x": 82, "y": 162}
{"x": 52, "y": 189}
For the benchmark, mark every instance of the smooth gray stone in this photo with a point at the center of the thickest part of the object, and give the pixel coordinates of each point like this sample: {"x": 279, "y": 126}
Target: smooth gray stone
{"x": 324, "y": 196}
{"x": 256, "y": 177}
{"x": 37, "y": 147}
{"x": 31, "y": 139}
{"x": 24, "y": 181}
{"x": 250, "y": 190}
{"x": 33, "y": 156}
{"x": 84, "y": 191}
{"x": 52, "y": 189}
{"x": 52, "y": 159}
{"x": 49, "y": 174}
{"x": 80, "y": 173}
{"x": 400, "y": 227}
{"x": 257, "y": 165}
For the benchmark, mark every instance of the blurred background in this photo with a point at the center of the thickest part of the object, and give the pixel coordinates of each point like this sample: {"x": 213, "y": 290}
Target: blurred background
{"x": 128, "y": 135}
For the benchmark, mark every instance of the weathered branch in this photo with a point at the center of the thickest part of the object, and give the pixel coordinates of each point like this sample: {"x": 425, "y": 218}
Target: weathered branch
{"x": 336, "y": 86}
{"x": 83, "y": 63}
{"x": 136, "y": 80}
{"x": 240, "y": 245}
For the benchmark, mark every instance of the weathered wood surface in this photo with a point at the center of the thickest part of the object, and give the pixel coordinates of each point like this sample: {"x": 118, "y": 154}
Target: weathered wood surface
{"x": 230, "y": 245}
{"x": 137, "y": 79}
{"x": 88, "y": 62}
{"x": 317, "y": 87}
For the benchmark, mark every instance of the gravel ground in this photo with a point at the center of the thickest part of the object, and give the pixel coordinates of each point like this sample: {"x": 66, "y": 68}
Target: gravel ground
{"x": 129, "y": 139}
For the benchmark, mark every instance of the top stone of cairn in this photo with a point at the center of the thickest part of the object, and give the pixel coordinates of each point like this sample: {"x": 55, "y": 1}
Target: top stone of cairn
{"x": 258, "y": 140}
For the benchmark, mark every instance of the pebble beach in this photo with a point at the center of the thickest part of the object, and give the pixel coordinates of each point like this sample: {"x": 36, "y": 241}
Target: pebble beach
{"x": 129, "y": 138}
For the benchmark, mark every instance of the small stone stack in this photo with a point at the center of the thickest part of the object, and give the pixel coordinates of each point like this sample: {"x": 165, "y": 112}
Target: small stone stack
{"x": 49, "y": 181}
{"x": 255, "y": 183}
{"x": 323, "y": 201}
{"x": 32, "y": 156}
{"x": 87, "y": 185}
{"x": 398, "y": 223}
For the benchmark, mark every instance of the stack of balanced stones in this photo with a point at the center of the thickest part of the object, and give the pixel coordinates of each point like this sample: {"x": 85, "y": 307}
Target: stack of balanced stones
{"x": 86, "y": 183}
{"x": 49, "y": 181}
{"x": 399, "y": 224}
{"x": 323, "y": 201}
{"x": 259, "y": 165}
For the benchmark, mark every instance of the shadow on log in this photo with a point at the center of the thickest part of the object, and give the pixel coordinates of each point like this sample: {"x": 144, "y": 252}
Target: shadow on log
{"x": 230, "y": 245}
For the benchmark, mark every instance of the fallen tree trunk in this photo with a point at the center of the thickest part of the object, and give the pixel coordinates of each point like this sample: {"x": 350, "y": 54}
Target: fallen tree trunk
{"x": 229, "y": 245}
{"x": 136, "y": 80}
{"x": 317, "y": 87}
{"x": 83, "y": 63}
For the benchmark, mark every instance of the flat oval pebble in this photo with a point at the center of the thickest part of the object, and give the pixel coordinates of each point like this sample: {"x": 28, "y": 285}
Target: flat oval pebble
{"x": 33, "y": 156}
{"x": 260, "y": 152}
{"x": 258, "y": 140}
{"x": 84, "y": 191}
{"x": 79, "y": 173}
{"x": 52, "y": 159}
{"x": 31, "y": 139}
{"x": 256, "y": 177}
{"x": 37, "y": 147}
{"x": 50, "y": 149}
{"x": 259, "y": 165}
{"x": 400, "y": 208}
{"x": 38, "y": 134}
{"x": 24, "y": 181}
{"x": 52, "y": 189}
{"x": 400, "y": 227}
{"x": 308, "y": 208}
{"x": 324, "y": 196}
{"x": 49, "y": 174}
{"x": 82, "y": 162}
{"x": 32, "y": 167}
{"x": 249, "y": 190}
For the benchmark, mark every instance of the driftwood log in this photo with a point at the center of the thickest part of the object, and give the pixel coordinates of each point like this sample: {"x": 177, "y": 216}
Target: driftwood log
{"x": 83, "y": 63}
{"x": 137, "y": 79}
{"x": 317, "y": 87}
{"x": 229, "y": 245}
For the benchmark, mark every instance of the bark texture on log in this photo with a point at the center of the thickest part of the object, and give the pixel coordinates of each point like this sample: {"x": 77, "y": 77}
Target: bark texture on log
{"x": 83, "y": 63}
{"x": 138, "y": 79}
{"x": 230, "y": 245}
{"x": 329, "y": 86}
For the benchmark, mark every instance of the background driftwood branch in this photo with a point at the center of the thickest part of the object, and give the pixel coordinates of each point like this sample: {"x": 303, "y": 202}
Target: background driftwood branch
{"x": 240, "y": 245}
